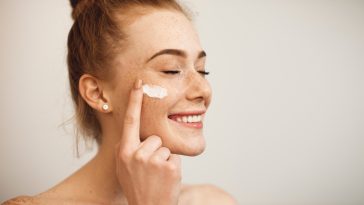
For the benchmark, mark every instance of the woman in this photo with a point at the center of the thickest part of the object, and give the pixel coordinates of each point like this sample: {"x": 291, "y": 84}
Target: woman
{"x": 114, "y": 48}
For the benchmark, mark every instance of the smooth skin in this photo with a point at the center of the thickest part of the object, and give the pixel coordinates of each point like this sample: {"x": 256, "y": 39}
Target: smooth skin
{"x": 138, "y": 161}
{"x": 142, "y": 166}
{"x": 140, "y": 169}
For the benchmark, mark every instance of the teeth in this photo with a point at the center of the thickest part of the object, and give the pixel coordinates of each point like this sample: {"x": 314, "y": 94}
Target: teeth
{"x": 184, "y": 119}
{"x": 189, "y": 119}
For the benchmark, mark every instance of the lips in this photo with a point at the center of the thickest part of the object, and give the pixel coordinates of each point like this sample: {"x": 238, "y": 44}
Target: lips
{"x": 192, "y": 119}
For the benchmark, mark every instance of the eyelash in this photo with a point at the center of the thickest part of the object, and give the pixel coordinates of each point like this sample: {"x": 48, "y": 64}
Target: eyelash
{"x": 172, "y": 72}
{"x": 204, "y": 72}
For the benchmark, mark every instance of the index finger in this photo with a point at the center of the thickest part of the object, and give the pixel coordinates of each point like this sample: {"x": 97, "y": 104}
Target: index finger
{"x": 130, "y": 135}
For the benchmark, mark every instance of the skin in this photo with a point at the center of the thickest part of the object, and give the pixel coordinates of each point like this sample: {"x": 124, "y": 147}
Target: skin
{"x": 141, "y": 146}
{"x": 186, "y": 91}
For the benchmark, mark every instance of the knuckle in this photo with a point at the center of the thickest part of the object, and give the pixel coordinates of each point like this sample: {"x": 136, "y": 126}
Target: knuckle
{"x": 155, "y": 162}
{"x": 174, "y": 172}
{"x": 139, "y": 156}
{"x": 172, "y": 168}
{"x": 156, "y": 138}
{"x": 124, "y": 155}
{"x": 166, "y": 150}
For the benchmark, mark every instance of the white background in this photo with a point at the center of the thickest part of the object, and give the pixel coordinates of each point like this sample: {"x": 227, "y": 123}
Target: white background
{"x": 286, "y": 125}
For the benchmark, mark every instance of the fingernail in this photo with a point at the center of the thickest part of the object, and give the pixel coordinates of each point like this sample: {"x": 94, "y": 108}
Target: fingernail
{"x": 138, "y": 84}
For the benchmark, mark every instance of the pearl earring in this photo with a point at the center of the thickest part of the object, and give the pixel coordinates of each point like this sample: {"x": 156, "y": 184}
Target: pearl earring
{"x": 105, "y": 106}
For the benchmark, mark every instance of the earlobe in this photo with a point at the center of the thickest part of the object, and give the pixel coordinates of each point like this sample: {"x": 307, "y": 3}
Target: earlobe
{"x": 90, "y": 89}
{"x": 105, "y": 107}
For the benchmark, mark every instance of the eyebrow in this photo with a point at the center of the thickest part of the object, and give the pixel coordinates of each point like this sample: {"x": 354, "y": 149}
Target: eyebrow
{"x": 175, "y": 52}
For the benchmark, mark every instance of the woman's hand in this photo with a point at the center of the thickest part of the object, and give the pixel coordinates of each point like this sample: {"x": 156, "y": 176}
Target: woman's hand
{"x": 147, "y": 172}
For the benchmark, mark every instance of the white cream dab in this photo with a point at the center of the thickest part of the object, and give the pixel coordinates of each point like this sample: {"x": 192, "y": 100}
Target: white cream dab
{"x": 155, "y": 91}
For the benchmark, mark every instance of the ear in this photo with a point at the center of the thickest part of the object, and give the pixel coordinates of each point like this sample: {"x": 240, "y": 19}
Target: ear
{"x": 91, "y": 90}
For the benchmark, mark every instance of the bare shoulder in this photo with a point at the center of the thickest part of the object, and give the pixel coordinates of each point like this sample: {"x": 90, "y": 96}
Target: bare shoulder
{"x": 21, "y": 200}
{"x": 205, "y": 194}
{"x": 45, "y": 200}
{"x": 30, "y": 200}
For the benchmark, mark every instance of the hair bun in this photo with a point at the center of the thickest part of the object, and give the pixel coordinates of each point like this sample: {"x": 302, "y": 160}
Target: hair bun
{"x": 79, "y": 6}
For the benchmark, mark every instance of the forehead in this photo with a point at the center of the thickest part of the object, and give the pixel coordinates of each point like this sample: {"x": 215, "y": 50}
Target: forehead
{"x": 161, "y": 29}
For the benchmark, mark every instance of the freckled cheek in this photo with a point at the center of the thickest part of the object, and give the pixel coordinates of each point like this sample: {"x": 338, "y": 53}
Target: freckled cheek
{"x": 156, "y": 109}
{"x": 153, "y": 117}
{"x": 152, "y": 107}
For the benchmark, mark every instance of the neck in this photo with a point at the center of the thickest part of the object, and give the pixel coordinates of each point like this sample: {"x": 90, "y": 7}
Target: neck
{"x": 98, "y": 176}
{"x": 103, "y": 166}
{"x": 103, "y": 169}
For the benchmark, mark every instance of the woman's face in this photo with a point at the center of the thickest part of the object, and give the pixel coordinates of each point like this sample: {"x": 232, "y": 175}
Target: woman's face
{"x": 189, "y": 93}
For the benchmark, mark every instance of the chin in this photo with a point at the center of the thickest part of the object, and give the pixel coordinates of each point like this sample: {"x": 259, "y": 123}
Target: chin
{"x": 192, "y": 152}
{"x": 189, "y": 148}
{"x": 181, "y": 140}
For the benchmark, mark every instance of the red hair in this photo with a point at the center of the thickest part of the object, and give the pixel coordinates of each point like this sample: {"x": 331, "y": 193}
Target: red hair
{"x": 94, "y": 40}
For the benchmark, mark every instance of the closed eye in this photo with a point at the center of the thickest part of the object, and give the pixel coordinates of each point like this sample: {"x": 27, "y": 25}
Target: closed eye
{"x": 171, "y": 72}
{"x": 204, "y": 72}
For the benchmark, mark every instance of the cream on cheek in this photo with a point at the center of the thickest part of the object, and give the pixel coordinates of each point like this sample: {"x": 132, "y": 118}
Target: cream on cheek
{"x": 155, "y": 91}
{"x": 155, "y": 108}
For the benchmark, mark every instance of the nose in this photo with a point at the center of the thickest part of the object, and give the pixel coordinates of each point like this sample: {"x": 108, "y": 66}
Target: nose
{"x": 199, "y": 89}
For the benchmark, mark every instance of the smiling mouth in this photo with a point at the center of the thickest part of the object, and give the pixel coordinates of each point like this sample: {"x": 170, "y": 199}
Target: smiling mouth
{"x": 191, "y": 119}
